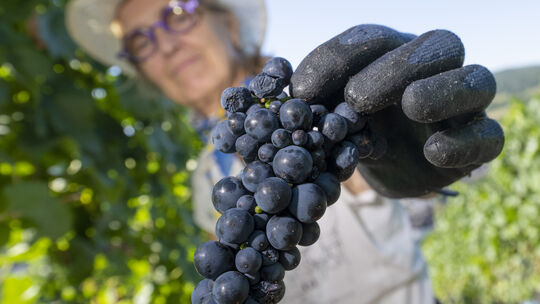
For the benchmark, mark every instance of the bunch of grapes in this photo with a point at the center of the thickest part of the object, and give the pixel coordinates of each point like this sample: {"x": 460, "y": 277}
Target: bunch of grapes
{"x": 295, "y": 156}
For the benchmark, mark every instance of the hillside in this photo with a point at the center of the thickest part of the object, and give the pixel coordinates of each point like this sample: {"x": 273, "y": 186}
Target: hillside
{"x": 522, "y": 83}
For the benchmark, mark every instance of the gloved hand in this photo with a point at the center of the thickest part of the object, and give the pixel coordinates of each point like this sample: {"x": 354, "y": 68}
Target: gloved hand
{"x": 416, "y": 94}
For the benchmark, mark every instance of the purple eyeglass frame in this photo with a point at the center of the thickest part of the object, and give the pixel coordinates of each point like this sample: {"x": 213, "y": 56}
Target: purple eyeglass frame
{"x": 188, "y": 6}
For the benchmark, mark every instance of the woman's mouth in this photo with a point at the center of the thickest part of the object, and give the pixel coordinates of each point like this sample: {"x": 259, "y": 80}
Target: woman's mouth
{"x": 178, "y": 68}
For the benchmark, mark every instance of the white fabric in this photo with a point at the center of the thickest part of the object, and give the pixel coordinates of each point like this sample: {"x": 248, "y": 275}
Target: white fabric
{"x": 367, "y": 251}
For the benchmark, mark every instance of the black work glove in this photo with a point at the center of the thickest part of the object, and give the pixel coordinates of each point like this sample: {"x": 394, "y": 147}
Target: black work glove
{"x": 416, "y": 94}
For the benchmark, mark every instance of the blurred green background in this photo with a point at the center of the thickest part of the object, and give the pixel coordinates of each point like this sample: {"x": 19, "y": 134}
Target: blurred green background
{"x": 94, "y": 184}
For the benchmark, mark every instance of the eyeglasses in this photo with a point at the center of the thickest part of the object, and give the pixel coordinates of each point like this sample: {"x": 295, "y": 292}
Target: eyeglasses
{"x": 177, "y": 18}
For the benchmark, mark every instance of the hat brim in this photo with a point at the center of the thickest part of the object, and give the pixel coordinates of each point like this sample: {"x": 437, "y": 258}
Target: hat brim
{"x": 89, "y": 24}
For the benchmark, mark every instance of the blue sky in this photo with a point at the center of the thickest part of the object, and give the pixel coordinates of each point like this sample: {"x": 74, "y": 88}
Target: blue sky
{"x": 497, "y": 34}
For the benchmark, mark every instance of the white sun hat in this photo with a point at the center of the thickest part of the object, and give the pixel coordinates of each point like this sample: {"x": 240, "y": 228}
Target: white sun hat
{"x": 91, "y": 25}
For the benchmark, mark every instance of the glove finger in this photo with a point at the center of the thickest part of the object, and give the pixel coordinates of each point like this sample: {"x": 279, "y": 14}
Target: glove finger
{"x": 477, "y": 142}
{"x": 327, "y": 69}
{"x": 449, "y": 94}
{"x": 383, "y": 82}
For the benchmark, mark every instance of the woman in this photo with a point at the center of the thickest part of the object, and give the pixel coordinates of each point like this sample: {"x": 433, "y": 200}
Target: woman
{"x": 193, "y": 50}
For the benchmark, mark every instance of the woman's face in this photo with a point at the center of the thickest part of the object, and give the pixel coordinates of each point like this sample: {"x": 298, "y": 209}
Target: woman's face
{"x": 191, "y": 68}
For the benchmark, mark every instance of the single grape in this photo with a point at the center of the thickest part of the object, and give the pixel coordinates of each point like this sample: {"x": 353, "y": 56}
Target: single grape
{"x": 258, "y": 240}
{"x": 344, "y": 156}
{"x": 333, "y": 126}
{"x": 226, "y": 193}
{"x": 330, "y": 185}
{"x": 264, "y": 85}
{"x": 236, "y": 99}
{"x": 274, "y": 106}
{"x": 211, "y": 259}
{"x": 254, "y": 173}
{"x": 363, "y": 143}
{"x": 247, "y": 146}
{"x": 355, "y": 121}
{"x": 315, "y": 140}
{"x": 254, "y": 107}
{"x": 267, "y": 152}
{"x": 299, "y": 137}
{"x": 293, "y": 164}
{"x": 279, "y": 68}
{"x": 236, "y": 123}
{"x": 272, "y": 273}
{"x": 260, "y": 124}
{"x": 269, "y": 256}
{"x": 253, "y": 278}
{"x": 308, "y": 203}
{"x": 283, "y": 232}
{"x": 231, "y": 287}
{"x": 247, "y": 202}
{"x": 260, "y": 220}
{"x": 281, "y": 138}
{"x": 318, "y": 111}
{"x": 201, "y": 290}
{"x": 273, "y": 195}
{"x": 248, "y": 260}
{"x": 319, "y": 158}
{"x": 290, "y": 259}
{"x": 296, "y": 114}
{"x": 310, "y": 234}
{"x": 268, "y": 292}
{"x": 282, "y": 96}
{"x": 234, "y": 226}
{"x": 223, "y": 139}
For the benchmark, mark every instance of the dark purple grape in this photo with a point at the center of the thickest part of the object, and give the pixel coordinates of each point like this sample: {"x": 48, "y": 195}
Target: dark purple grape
{"x": 267, "y": 152}
{"x": 355, "y": 121}
{"x": 318, "y": 111}
{"x": 254, "y": 107}
{"x": 236, "y": 99}
{"x": 333, "y": 126}
{"x": 308, "y": 203}
{"x": 254, "y": 173}
{"x": 283, "y": 232}
{"x": 310, "y": 234}
{"x": 201, "y": 290}
{"x": 315, "y": 140}
{"x": 260, "y": 124}
{"x": 319, "y": 158}
{"x": 274, "y": 106}
{"x": 273, "y": 195}
{"x": 266, "y": 292}
{"x": 331, "y": 186}
{"x": 211, "y": 259}
{"x": 264, "y": 85}
{"x": 269, "y": 256}
{"x": 299, "y": 137}
{"x": 234, "y": 226}
{"x": 272, "y": 273}
{"x": 223, "y": 139}
{"x": 258, "y": 240}
{"x": 249, "y": 299}
{"x": 260, "y": 220}
{"x": 231, "y": 287}
{"x": 279, "y": 68}
{"x": 293, "y": 164}
{"x": 296, "y": 114}
{"x": 344, "y": 156}
{"x": 248, "y": 260}
{"x": 281, "y": 138}
{"x": 253, "y": 278}
{"x": 226, "y": 193}
{"x": 363, "y": 143}
{"x": 236, "y": 123}
{"x": 282, "y": 96}
{"x": 247, "y": 202}
{"x": 247, "y": 146}
{"x": 290, "y": 259}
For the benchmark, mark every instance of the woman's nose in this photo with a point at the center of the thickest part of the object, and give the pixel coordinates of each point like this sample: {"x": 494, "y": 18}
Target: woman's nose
{"x": 167, "y": 44}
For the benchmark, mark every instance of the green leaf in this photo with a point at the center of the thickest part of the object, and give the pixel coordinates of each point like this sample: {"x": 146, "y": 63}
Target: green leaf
{"x": 4, "y": 234}
{"x": 32, "y": 201}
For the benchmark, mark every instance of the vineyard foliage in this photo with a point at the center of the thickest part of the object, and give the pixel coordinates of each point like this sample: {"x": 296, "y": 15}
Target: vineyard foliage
{"x": 95, "y": 203}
